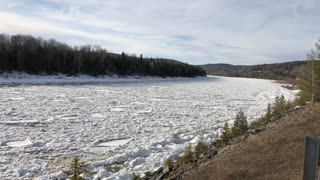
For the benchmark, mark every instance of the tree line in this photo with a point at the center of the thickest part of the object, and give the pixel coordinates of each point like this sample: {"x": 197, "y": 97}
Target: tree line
{"x": 25, "y": 53}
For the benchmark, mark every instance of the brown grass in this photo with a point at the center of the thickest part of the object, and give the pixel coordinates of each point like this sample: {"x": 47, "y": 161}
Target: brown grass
{"x": 276, "y": 153}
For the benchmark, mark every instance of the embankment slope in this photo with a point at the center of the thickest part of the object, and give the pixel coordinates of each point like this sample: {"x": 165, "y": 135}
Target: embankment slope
{"x": 276, "y": 153}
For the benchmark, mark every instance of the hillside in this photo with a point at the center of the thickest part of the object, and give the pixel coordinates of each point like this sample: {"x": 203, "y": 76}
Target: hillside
{"x": 32, "y": 55}
{"x": 277, "y": 71}
{"x": 276, "y": 153}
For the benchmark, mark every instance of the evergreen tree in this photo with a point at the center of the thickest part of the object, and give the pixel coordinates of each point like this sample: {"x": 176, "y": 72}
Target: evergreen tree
{"x": 279, "y": 106}
{"x": 76, "y": 169}
{"x": 268, "y": 114}
{"x": 226, "y": 133}
{"x": 199, "y": 149}
{"x": 187, "y": 157}
{"x": 240, "y": 125}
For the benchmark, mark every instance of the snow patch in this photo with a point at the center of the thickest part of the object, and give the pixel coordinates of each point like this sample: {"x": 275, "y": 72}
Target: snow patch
{"x": 113, "y": 142}
{"x": 116, "y": 109}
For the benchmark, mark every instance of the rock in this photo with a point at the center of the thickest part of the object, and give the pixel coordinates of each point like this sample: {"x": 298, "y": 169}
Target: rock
{"x": 202, "y": 155}
{"x": 176, "y": 175}
{"x": 255, "y": 131}
{"x": 297, "y": 107}
{"x": 149, "y": 173}
{"x": 166, "y": 170}
{"x": 202, "y": 161}
{"x": 243, "y": 137}
{"x": 160, "y": 176}
{"x": 61, "y": 175}
{"x": 271, "y": 125}
{"x": 159, "y": 170}
{"x": 212, "y": 152}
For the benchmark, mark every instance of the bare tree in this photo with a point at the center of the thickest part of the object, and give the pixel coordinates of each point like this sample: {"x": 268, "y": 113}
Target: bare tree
{"x": 309, "y": 81}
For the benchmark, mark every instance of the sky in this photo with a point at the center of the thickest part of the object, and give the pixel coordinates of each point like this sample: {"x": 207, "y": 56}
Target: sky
{"x": 192, "y": 31}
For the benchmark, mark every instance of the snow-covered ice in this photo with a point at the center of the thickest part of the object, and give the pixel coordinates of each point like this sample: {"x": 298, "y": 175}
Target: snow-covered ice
{"x": 134, "y": 124}
{"x": 18, "y": 143}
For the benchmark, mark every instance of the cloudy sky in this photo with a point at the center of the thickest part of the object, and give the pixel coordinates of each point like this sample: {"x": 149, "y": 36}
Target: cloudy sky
{"x": 193, "y": 31}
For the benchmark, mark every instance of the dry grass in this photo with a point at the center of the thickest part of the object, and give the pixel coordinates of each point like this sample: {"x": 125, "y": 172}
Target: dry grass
{"x": 276, "y": 153}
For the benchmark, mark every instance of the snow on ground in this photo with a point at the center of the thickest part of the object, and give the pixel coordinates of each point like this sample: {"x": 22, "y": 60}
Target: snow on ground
{"x": 23, "y": 79}
{"x": 131, "y": 125}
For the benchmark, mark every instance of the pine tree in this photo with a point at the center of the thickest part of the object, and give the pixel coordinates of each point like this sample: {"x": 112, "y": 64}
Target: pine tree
{"x": 187, "y": 157}
{"x": 268, "y": 114}
{"x": 77, "y": 168}
{"x": 226, "y": 133}
{"x": 240, "y": 125}
{"x": 280, "y": 106}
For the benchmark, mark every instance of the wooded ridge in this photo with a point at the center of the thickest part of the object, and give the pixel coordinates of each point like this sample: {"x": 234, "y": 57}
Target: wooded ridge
{"x": 24, "y": 53}
{"x": 276, "y": 71}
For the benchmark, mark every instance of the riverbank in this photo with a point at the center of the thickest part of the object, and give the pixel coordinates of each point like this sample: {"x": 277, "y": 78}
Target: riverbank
{"x": 61, "y": 79}
{"x": 275, "y": 152}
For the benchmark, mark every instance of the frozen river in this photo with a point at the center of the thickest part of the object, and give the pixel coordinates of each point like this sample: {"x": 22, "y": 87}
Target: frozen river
{"x": 136, "y": 125}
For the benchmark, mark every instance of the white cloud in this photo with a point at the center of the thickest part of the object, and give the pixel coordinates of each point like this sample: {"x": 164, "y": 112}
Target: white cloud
{"x": 221, "y": 31}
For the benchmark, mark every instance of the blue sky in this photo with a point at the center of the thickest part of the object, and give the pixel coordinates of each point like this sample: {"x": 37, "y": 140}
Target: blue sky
{"x": 197, "y": 32}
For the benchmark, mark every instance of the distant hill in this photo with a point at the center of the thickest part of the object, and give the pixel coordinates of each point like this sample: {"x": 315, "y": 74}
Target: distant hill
{"x": 277, "y": 71}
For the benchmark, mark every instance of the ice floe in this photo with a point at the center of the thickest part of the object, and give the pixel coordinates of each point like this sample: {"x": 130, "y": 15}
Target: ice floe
{"x": 133, "y": 124}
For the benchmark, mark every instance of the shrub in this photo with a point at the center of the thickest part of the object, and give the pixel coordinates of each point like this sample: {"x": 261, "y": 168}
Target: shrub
{"x": 258, "y": 123}
{"x": 279, "y": 107}
{"x": 186, "y": 158}
{"x": 199, "y": 149}
{"x": 181, "y": 161}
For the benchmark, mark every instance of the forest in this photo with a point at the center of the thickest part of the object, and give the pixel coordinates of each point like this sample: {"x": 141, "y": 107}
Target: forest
{"x": 276, "y": 71}
{"x": 25, "y": 53}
